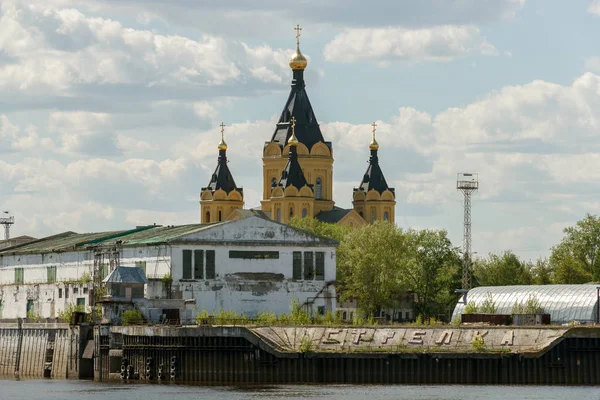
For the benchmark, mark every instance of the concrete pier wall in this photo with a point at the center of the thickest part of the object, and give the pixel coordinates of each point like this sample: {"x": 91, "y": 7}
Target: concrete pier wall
{"x": 43, "y": 350}
{"x": 234, "y": 355}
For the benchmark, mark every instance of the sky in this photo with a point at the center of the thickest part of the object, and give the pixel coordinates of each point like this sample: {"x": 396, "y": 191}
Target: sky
{"x": 110, "y": 109}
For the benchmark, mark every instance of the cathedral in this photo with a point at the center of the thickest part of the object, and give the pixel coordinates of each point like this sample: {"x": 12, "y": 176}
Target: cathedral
{"x": 298, "y": 172}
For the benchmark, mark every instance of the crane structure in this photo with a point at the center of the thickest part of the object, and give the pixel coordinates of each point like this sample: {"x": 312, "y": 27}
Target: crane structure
{"x": 467, "y": 183}
{"x": 7, "y": 220}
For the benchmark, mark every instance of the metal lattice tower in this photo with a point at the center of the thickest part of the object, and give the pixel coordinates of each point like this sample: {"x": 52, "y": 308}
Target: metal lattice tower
{"x": 467, "y": 183}
{"x": 7, "y": 221}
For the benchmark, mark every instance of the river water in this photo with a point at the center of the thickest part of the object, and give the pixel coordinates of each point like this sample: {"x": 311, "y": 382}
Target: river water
{"x": 86, "y": 390}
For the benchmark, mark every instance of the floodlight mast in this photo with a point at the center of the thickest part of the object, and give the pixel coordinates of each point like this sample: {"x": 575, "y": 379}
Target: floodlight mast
{"x": 467, "y": 183}
{"x": 7, "y": 220}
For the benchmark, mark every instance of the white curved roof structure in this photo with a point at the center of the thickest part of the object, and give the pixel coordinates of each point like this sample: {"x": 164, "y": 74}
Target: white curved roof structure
{"x": 564, "y": 303}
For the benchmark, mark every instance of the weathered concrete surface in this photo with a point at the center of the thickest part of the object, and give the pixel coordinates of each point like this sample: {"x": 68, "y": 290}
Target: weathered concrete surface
{"x": 443, "y": 339}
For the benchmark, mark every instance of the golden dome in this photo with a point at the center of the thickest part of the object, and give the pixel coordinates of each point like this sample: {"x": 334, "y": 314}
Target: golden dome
{"x": 222, "y": 145}
{"x": 374, "y": 145}
{"x": 298, "y": 62}
{"x": 293, "y": 141}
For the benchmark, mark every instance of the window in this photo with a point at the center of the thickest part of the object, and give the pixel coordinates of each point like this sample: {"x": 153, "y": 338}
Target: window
{"x": 253, "y": 255}
{"x": 0, "y": 309}
{"x": 30, "y": 307}
{"x": 198, "y": 264}
{"x": 104, "y": 271}
{"x": 85, "y": 290}
{"x": 60, "y": 293}
{"x": 187, "y": 264}
{"x": 19, "y": 276}
{"x": 344, "y": 315}
{"x": 319, "y": 189}
{"x": 75, "y": 290}
{"x": 291, "y": 212}
{"x": 278, "y": 215}
{"x": 207, "y": 216}
{"x": 304, "y": 213}
{"x": 297, "y": 265}
{"x": 210, "y": 264}
{"x": 386, "y": 216}
{"x": 141, "y": 265}
{"x": 81, "y": 301}
{"x": 51, "y": 274}
{"x": 66, "y": 292}
{"x": 308, "y": 266}
{"x": 320, "y": 266}
{"x": 220, "y": 215}
{"x": 372, "y": 216}
{"x": 361, "y": 214}
{"x": 321, "y": 310}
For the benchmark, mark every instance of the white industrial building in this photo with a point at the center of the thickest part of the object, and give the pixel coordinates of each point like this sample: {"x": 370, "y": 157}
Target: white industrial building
{"x": 247, "y": 265}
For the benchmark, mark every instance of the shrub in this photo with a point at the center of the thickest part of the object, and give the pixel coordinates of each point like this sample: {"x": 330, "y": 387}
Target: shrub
{"x": 488, "y": 306}
{"x": 85, "y": 278}
{"x": 266, "y": 318}
{"x": 531, "y": 306}
{"x": 471, "y": 308}
{"x": 132, "y": 317}
{"x": 34, "y": 317}
{"x": 203, "y": 318}
{"x": 478, "y": 343}
{"x": 306, "y": 344}
{"x": 67, "y": 313}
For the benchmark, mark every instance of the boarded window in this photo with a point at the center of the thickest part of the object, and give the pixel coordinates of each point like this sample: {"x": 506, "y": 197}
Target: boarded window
{"x": 51, "y": 274}
{"x": 141, "y": 265}
{"x": 309, "y": 266}
{"x": 19, "y": 276}
{"x": 198, "y": 264}
{"x": 278, "y": 215}
{"x": 210, "y": 264}
{"x": 187, "y": 264}
{"x": 297, "y": 265}
{"x": 104, "y": 271}
{"x": 373, "y": 216}
{"x": 30, "y": 309}
{"x": 320, "y": 266}
{"x": 253, "y": 255}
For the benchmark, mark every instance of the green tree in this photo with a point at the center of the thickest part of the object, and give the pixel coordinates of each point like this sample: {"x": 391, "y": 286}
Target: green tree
{"x": 316, "y": 227}
{"x": 433, "y": 272}
{"x": 501, "y": 270}
{"x": 371, "y": 262}
{"x": 576, "y": 259}
{"x": 541, "y": 272}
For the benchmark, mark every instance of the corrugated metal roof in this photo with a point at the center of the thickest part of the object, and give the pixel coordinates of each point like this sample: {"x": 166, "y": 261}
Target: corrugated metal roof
{"x": 124, "y": 274}
{"x": 159, "y": 234}
{"x": 564, "y": 303}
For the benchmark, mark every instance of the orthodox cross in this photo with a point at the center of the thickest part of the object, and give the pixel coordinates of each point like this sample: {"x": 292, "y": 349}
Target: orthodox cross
{"x": 297, "y": 29}
{"x": 222, "y": 130}
{"x": 293, "y": 125}
{"x": 374, "y": 125}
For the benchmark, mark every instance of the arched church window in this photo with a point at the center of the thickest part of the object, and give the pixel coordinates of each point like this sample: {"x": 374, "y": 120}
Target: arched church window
{"x": 291, "y": 212}
{"x": 361, "y": 214}
{"x": 207, "y": 216}
{"x": 386, "y": 216}
{"x": 372, "y": 216}
{"x": 319, "y": 189}
{"x": 220, "y": 215}
{"x": 278, "y": 215}
{"x": 304, "y": 213}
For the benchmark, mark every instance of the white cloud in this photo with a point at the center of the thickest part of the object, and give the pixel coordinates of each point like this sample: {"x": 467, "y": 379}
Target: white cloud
{"x": 594, "y": 8}
{"x": 593, "y": 64}
{"x": 440, "y": 43}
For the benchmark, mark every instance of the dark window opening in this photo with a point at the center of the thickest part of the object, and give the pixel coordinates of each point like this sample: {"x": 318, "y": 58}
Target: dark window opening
{"x": 81, "y": 302}
{"x": 320, "y": 266}
{"x": 198, "y": 264}
{"x": 220, "y": 216}
{"x": 60, "y": 293}
{"x": 309, "y": 268}
{"x": 291, "y": 212}
{"x": 253, "y": 254}
{"x": 210, "y": 264}
{"x": 386, "y": 216}
{"x": 207, "y": 216}
{"x": 66, "y": 292}
{"x": 297, "y": 265}
{"x": 304, "y": 212}
{"x": 187, "y": 264}
{"x": 321, "y": 310}
{"x": 319, "y": 189}
{"x": 75, "y": 290}
{"x": 30, "y": 308}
